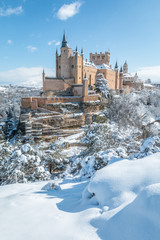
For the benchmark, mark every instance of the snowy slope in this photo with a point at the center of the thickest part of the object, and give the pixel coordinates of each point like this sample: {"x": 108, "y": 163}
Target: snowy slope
{"x": 121, "y": 201}
{"x": 29, "y": 213}
{"x": 129, "y": 193}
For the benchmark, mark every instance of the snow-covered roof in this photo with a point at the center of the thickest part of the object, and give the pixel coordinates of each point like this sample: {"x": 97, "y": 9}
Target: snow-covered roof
{"x": 73, "y": 53}
{"x": 89, "y": 64}
{"x": 128, "y": 75}
{"x": 103, "y": 66}
{"x": 148, "y": 85}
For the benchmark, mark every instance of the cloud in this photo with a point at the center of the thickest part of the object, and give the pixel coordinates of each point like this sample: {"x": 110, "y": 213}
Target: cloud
{"x": 25, "y": 76}
{"x": 68, "y": 10}
{"x": 9, "y": 42}
{"x": 10, "y": 11}
{"x": 57, "y": 43}
{"x": 51, "y": 42}
{"x": 150, "y": 72}
{"x": 54, "y": 42}
{"x": 31, "y": 48}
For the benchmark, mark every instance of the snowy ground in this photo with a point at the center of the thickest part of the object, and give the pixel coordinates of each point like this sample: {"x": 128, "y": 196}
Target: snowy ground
{"x": 27, "y": 212}
{"x": 121, "y": 201}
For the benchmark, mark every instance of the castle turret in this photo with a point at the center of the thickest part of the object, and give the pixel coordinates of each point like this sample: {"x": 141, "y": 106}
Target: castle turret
{"x": 116, "y": 66}
{"x": 85, "y": 86}
{"x": 64, "y": 41}
{"x": 56, "y": 63}
{"x": 76, "y": 66}
{"x": 64, "y": 64}
{"x": 43, "y": 78}
{"x": 121, "y": 78}
{"x": 116, "y": 76}
{"x": 82, "y": 55}
{"x": 125, "y": 67}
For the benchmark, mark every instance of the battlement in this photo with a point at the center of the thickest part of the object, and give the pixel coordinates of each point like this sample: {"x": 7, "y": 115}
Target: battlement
{"x": 100, "y": 58}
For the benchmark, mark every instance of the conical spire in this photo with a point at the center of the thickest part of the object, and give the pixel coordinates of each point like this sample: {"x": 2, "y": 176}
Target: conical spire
{"x": 116, "y": 65}
{"x": 76, "y": 49}
{"x": 64, "y": 41}
{"x": 121, "y": 70}
{"x": 82, "y": 51}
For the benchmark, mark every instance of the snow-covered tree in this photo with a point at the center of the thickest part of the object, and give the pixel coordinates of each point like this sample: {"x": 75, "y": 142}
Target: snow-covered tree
{"x": 101, "y": 85}
{"x": 21, "y": 164}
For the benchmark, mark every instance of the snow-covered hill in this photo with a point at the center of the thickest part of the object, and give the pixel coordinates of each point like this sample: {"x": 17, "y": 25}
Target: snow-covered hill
{"x": 120, "y": 202}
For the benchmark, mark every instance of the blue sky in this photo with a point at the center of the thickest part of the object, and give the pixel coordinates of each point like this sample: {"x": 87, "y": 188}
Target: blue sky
{"x": 32, "y": 29}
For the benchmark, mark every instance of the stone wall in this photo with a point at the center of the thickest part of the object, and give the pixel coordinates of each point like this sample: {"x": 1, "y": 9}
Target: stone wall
{"x": 55, "y": 84}
{"x": 91, "y": 73}
{"x": 110, "y": 75}
{"x": 43, "y": 101}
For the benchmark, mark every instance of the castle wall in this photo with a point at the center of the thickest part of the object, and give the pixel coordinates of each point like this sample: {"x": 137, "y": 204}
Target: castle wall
{"x": 53, "y": 84}
{"x": 43, "y": 101}
{"x": 110, "y": 76}
{"x": 91, "y": 73}
{"x": 77, "y": 89}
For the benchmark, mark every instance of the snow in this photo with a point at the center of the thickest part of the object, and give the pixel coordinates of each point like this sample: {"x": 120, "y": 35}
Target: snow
{"x": 89, "y": 64}
{"x": 121, "y": 178}
{"x": 121, "y": 201}
{"x": 103, "y": 66}
{"x": 27, "y": 212}
{"x": 148, "y": 85}
{"x": 2, "y": 88}
{"x": 139, "y": 220}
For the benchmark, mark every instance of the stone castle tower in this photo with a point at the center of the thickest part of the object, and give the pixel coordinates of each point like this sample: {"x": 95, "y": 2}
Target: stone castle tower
{"x": 125, "y": 67}
{"x": 68, "y": 62}
{"x": 101, "y": 58}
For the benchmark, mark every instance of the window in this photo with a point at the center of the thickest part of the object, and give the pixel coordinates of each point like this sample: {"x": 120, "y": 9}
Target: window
{"x": 59, "y": 67}
{"x": 72, "y": 66}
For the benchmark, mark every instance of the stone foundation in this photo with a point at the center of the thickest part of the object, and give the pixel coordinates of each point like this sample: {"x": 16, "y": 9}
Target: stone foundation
{"x": 50, "y": 118}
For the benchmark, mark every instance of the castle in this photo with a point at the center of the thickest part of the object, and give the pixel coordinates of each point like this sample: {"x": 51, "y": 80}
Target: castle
{"x": 69, "y": 100}
{"x": 71, "y": 68}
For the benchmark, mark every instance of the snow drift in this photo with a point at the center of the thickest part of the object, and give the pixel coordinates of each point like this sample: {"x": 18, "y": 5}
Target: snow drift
{"x": 119, "y": 182}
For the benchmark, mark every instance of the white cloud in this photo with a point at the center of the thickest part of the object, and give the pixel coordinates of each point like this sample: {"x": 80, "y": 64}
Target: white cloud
{"x": 25, "y": 76}
{"x": 9, "y": 42}
{"x": 10, "y": 11}
{"x": 51, "y": 42}
{"x": 68, "y": 10}
{"x": 31, "y": 48}
{"x": 57, "y": 43}
{"x": 150, "y": 72}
